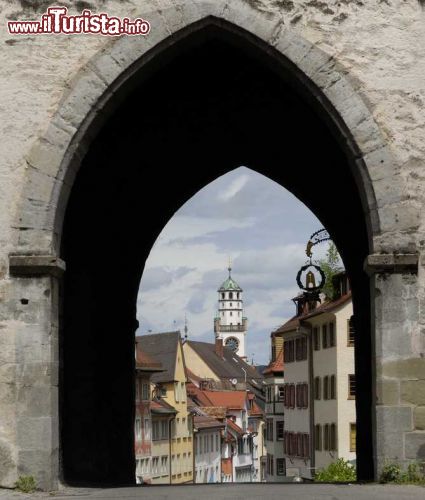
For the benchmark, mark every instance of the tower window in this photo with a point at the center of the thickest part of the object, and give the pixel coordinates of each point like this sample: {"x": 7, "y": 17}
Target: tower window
{"x": 223, "y": 295}
{"x": 231, "y": 314}
{"x": 230, "y": 304}
{"x": 237, "y": 295}
{"x": 230, "y": 295}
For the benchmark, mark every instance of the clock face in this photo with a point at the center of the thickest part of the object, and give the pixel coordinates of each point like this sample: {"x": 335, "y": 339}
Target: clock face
{"x": 232, "y": 343}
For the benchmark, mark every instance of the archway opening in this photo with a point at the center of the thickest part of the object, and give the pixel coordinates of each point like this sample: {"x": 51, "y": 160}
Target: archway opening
{"x": 212, "y": 101}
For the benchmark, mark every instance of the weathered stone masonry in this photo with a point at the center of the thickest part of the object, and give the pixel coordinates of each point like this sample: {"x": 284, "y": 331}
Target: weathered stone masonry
{"x": 367, "y": 59}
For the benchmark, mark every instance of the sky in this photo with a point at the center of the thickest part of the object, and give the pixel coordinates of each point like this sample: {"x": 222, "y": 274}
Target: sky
{"x": 243, "y": 216}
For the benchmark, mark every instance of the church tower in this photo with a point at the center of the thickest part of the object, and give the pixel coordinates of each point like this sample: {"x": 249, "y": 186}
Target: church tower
{"x": 229, "y": 324}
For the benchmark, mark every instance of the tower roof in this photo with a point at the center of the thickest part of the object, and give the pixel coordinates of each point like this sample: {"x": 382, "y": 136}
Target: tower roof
{"x": 229, "y": 284}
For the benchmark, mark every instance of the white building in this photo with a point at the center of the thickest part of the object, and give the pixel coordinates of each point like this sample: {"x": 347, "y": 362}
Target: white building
{"x": 274, "y": 425}
{"x": 319, "y": 389}
{"x": 230, "y": 325}
{"x": 207, "y": 449}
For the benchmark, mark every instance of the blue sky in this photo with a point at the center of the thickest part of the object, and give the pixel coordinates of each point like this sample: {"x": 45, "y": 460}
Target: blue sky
{"x": 243, "y": 215}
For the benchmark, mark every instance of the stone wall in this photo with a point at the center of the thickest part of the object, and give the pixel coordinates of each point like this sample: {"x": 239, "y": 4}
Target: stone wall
{"x": 367, "y": 57}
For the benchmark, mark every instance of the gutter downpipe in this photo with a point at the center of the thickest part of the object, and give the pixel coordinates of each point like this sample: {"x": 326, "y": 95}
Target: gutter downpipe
{"x": 311, "y": 406}
{"x": 169, "y": 442}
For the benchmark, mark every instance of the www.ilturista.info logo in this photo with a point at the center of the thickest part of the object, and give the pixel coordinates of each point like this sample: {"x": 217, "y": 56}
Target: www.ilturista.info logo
{"x": 56, "y": 20}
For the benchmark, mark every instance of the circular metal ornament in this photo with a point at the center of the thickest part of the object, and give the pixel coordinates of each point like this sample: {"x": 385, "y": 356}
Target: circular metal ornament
{"x": 315, "y": 288}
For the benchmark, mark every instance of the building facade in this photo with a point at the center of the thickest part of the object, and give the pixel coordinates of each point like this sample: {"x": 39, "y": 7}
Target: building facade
{"x": 207, "y": 449}
{"x": 146, "y": 366}
{"x": 320, "y": 384}
{"x": 167, "y": 347}
{"x": 275, "y": 415}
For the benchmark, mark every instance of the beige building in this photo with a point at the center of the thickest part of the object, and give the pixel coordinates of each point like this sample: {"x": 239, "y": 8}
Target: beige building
{"x": 167, "y": 348}
{"x": 319, "y": 395}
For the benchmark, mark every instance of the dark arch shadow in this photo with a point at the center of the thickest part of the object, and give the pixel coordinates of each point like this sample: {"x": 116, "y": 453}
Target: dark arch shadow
{"x": 210, "y": 102}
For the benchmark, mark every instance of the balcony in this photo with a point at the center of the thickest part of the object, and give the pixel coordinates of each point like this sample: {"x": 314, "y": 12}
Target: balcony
{"x": 231, "y": 328}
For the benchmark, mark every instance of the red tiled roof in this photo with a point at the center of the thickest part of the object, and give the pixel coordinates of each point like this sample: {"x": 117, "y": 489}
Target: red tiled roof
{"x": 146, "y": 362}
{"x": 192, "y": 377}
{"x": 160, "y": 406}
{"x": 326, "y": 307}
{"x": 234, "y": 426}
{"x": 206, "y": 422}
{"x": 255, "y": 410}
{"x": 275, "y": 366}
{"x": 233, "y": 400}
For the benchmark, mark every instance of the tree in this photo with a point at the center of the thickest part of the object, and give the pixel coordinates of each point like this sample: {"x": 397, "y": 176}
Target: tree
{"x": 331, "y": 265}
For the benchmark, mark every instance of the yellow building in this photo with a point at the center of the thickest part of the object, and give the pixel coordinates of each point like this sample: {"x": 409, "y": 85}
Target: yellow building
{"x": 167, "y": 348}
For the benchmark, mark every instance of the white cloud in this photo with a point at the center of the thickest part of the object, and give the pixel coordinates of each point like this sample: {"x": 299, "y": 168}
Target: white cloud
{"x": 249, "y": 218}
{"x": 234, "y": 188}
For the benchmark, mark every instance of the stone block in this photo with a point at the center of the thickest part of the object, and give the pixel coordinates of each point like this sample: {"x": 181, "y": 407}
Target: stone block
{"x": 388, "y": 392}
{"x": 34, "y": 433}
{"x": 419, "y": 418}
{"x": 413, "y": 391}
{"x": 393, "y": 418}
{"x": 413, "y": 368}
{"x": 415, "y": 445}
{"x": 43, "y": 465}
{"x": 390, "y": 444}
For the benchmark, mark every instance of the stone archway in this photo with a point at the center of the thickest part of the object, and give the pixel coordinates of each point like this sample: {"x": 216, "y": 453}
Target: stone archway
{"x": 54, "y": 162}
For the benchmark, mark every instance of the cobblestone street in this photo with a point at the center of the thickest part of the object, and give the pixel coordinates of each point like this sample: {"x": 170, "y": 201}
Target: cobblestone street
{"x": 236, "y": 492}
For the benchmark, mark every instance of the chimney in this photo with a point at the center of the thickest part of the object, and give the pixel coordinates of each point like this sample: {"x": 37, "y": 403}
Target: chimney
{"x": 219, "y": 347}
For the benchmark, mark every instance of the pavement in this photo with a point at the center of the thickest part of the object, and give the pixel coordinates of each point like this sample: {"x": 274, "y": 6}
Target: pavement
{"x": 232, "y": 492}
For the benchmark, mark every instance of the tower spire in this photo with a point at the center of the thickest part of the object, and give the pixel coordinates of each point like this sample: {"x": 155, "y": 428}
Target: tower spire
{"x": 230, "y": 267}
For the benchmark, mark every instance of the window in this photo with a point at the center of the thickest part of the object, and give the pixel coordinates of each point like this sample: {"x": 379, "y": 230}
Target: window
{"x": 302, "y": 395}
{"x": 300, "y": 450}
{"x": 325, "y": 336}
{"x": 237, "y": 295}
{"x": 182, "y": 392}
{"x": 155, "y": 431}
{"x": 280, "y": 467}
{"x": 269, "y": 429}
{"x": 318, "y": 437}
{"x": 279, "y": 430}
{"x": 230, "y": 304}
{"x": 306, "y": 445}
{"x": 351, "y": 332}
{"x": 147, "y": 429}
{"x": 317, "y": 387}
{"x": 137, "y": 390}
{"x": 230, "y": 295}
{"x": 301, "y": 348}
{"x": 281, "y": 392}
{"x": 138, "y": 429}
{"x": 332, "y": 342}
{"x": 316, "y": 338}
{"x": 353, "y": 437}
{"x": 351, "y": 386}
{"x": 216, "y": 443}
{"x": 145, "y": 392}
{"x": 231, "y": 314}
{"x": 326, "y": 387}
{"x": 164, "y": 429}
{"x": 176, "y": 391}
{"x": 326, "y": 437}
{"x": 211, "y": 442}
{"x": 332, "y": 438}
{"x": 222, "y": 295}
{"x": 333, "y": 388}
{"x": 288, "y": 351}
{"x": 292, "y": 395}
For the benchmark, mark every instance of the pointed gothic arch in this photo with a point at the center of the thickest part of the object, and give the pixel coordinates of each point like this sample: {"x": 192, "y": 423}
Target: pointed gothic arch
{"x": 57, "y": 182}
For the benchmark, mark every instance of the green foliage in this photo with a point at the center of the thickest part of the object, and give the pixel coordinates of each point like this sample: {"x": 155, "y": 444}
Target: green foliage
{"x": 392, "y": 473}
{"x": 26, "y": 484}
{"x": 331, "y": 265}
{"x": 339, "y": 471}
